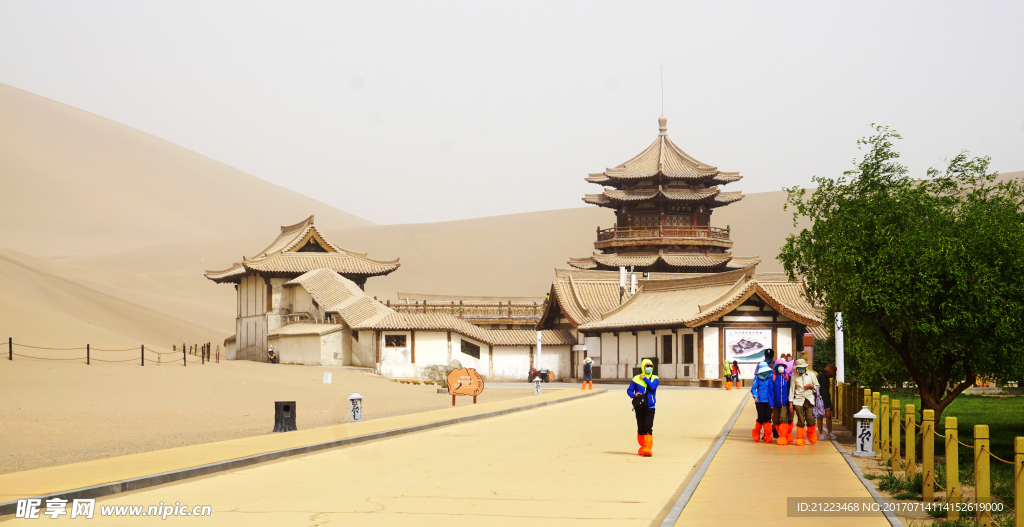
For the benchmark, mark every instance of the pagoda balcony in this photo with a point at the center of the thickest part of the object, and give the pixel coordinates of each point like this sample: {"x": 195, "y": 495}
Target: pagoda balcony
{"x": 663, "y": 235}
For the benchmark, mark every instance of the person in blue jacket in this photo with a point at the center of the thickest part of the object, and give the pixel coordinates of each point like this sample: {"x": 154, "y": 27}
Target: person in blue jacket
{"x": 778, "y": 399}
{"x": 643, "y": 391}
{"x": 759, "y": 390}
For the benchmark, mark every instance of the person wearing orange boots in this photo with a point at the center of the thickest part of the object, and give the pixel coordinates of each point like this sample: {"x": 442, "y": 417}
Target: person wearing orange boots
{"x": 802, "y": 387}
{"x": 760, "y": 389}
{"x": 778, "y": 398}
{"x": 643, "y": 390}
{"x": 588, "y": 373}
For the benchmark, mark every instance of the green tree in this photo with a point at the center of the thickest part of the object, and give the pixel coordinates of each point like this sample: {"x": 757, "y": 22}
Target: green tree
{"x": 929, "y": 274}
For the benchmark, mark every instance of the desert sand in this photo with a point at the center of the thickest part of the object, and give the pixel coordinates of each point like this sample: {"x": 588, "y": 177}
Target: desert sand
{"x": 66, "y": 412}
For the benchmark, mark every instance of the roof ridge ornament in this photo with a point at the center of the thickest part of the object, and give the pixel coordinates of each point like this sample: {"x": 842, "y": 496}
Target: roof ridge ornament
{"x": 662, "y": 125}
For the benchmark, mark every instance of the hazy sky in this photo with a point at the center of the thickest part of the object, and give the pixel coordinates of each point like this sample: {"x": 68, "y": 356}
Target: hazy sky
{"x": 431, "y": 111}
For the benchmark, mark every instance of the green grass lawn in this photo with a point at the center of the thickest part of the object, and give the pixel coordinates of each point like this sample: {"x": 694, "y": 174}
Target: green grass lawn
{"x": 1005, "y": 419}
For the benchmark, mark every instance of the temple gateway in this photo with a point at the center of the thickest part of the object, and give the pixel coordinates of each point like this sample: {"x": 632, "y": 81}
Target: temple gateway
{"x": 662, "y": 284}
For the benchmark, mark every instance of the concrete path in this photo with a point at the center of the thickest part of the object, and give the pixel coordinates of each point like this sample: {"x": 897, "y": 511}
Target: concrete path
{"x": 748, "y": 483}
{"x": 573, "y": 463}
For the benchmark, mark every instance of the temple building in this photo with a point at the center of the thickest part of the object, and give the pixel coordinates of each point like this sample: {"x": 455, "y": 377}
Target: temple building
{"x": 696, "y": 306}
{"x": 663, "y": 199}
{"x": 304, "y": 296}
{"x": 263, "y": 302}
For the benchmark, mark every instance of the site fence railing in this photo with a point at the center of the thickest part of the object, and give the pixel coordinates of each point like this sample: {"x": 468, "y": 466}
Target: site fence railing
{"x": 890, "y": 428}
{"x": 189, "y": 354}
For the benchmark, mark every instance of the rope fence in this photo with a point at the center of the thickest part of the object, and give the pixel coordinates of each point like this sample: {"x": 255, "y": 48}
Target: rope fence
{"x": 200, "y": 353}
{"x": 895, "y": 424}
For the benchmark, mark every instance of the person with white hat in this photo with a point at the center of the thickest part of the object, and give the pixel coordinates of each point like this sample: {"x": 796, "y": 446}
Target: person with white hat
{"x": 588, "y": 373}
{"x": 802, "y": 388}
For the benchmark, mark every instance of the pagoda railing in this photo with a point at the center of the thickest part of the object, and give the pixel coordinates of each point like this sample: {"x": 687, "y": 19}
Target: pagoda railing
{"x": 662, "y": 231}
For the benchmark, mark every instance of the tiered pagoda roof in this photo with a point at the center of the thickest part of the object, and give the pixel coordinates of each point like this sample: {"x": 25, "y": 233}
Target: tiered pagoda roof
{"x": 663, "y": 199}
{"x": 301, "y": 248}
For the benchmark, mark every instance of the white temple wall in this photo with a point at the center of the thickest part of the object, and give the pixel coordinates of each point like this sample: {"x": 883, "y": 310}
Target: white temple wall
{"x": 609, "y": 350}
{"x": 298, "y": 349}
{"x": 712, "y": 369}
{"x": 511, "y": 363}
{"x": 555, "y": 359}
{"x": 332, "y": 348}
{"x": 363, "y": 350}
{"x": 784, "y": 339}
{"x": 432, "y": 348}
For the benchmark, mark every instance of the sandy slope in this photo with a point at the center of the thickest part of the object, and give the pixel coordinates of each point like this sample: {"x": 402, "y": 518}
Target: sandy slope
{"x": 76, "y": 183}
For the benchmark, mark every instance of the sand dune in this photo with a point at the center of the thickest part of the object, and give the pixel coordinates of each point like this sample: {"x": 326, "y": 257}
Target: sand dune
{"x": 121, "y": 226}
{"x": 76, "y": 183}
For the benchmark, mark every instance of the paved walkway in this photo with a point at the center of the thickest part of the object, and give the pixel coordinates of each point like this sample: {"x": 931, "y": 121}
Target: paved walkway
{"x": 747, "y": 483}
{"x": 573, "y": 463}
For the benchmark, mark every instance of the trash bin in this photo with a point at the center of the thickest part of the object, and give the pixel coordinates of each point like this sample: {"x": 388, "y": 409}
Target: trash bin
{"x": 284, "y": 416}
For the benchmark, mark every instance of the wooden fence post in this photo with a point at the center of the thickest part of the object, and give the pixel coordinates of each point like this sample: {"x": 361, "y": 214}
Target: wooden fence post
{"x": 876, "y": 409}
{"x": 928, "y": 455}
{"x": 10, "y": 348}
{"x": 911, "y": 441}
{"x": 982, "y": 483}
{"x": 1018, "y": 478}
{"x": 142, "y": 355}
{"x": 883, "y": 422}
{"x": 202, "y": 359}
{"x": 184, "y": 358}
{"x": 894, "y": 431}
{"x": 952, "y": 469}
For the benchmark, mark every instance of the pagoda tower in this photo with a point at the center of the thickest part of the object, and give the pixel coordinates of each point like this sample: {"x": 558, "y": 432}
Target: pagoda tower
{"x": 663, "y": 199}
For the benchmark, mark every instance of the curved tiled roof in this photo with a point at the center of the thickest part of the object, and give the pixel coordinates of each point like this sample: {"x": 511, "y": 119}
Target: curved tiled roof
{"x": 283, "y": 255}
{"x": 584, "y": 301}
{"x": 662, "y": 158}
{"x": 712, "y": 196}
{"x": 696, "y": 301}
{"x": 713, "y": 261}
{"x": 337, "y": 294}
{"x": 305, "y": 328}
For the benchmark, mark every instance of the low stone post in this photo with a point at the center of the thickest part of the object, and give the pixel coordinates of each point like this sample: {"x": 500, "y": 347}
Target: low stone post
{"x": 356, "y": 401}
{"x": 864, "y": 432}
{"x": 536, "y": 386}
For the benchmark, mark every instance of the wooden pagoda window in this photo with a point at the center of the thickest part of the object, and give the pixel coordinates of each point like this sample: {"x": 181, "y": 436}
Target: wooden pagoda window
{"x": 688, "y": 348}
{"x": 646, "y": 220}
{"x": 394, "y": 341}
{"x": 703, "y": 220}
{"x": 666, "y": 349}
